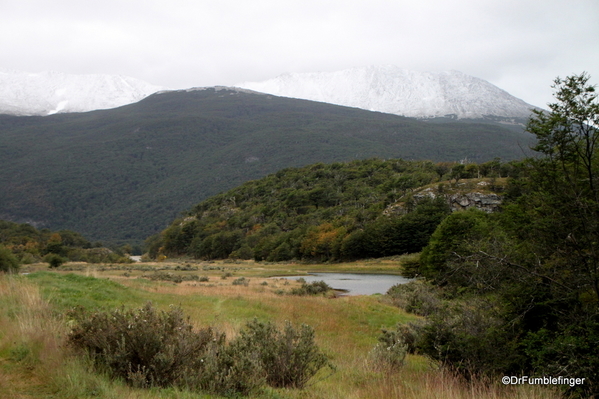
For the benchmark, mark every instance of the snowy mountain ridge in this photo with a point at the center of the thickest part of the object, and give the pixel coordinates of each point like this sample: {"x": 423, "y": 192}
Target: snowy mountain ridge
{"x": 393, "y": 90}
{"x": 47, "y": 93}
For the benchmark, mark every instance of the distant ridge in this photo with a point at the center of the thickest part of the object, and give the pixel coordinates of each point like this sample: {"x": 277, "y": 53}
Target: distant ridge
{"x": 123, "y": 174}
{"x": 393, "y": 90}
{"x": 47, "y": 93}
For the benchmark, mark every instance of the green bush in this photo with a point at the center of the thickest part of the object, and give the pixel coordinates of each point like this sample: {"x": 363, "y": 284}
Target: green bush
{"x": 8, "y": 262}
{"x": 410, "y": 265}
{"x": 54, "y": 260}
{"x": 241, "y": 281}
{"x": 470, "y": 339}
{"x": 149, "y": 348}
{"x": 314, "y": 288}
{"x": 390, "y": 352}
{"x": 143, "y": 347}
{"x": 418, "y": 297}
{"x": 289, "y": 357}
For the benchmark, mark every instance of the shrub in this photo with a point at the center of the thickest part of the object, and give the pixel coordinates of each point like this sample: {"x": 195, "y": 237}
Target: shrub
{"x": 148, "y": 348}
{"x": 144, "y": 347}
{"x": 410, "y": 265}
{"x": 471, "y": 339}
{"x": 390, "y": 352}
{"x": 289, "y": 357}
{"x": 241, "y": 281}
{"x": 175, "y": 278}
{"x": 54, "y": 260}
{"x": 418, "y": 297}
{"x": 8, "y": 262}
{"x": 314, "y": 288}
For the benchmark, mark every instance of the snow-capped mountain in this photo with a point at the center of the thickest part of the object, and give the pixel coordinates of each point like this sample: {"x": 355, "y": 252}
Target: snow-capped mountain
{"x": 393, "y": 90}
{"x": 46, "y": 93}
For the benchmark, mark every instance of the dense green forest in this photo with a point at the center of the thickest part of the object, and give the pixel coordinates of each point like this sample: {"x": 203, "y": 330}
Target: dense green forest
{"x": 517, "y": 292}
{"x": 24, "y": 244}
{"x": 322, "y": 212}
{"x": 121, "y": 175}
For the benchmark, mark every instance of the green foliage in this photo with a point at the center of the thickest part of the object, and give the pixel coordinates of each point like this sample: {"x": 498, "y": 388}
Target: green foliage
{"x": 241, "y": 281}
{"x": 418, "y": 297}
{"x": 54, "y": 260}
{"x": 390, "y": 352}
{"x": 150, "y": 348}
{"x": 524, "y": 283}
{"x": 318, "y": 213}
{"x": 470, "y": 338}
{"x": 449, "y": 239}
{"x": 313, "y": 288}
{"x": 289, "y": 357}
{"x": 29, "y": 245}
{"x": 410, "y": 265}
{"x": 8, "y": 262}
{"x": 388, "y": 236}
{"x": 143, "y": 347}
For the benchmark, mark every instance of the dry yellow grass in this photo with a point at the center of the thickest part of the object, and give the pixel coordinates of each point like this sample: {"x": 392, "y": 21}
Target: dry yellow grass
{"x": 346, "y": 329}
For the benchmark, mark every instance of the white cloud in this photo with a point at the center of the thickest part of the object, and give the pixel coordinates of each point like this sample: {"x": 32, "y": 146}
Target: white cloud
{"x": 519, "y": 45}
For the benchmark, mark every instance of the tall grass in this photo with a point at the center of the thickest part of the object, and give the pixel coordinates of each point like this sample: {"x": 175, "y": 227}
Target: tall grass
{"x": 35, "y": 362}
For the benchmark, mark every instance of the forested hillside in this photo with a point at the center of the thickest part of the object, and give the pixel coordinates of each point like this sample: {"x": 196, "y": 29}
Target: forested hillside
{"x": 121, "y": 175}
{"x": 24, "y": 244}
{"x": 517, "y": 292}
{"x": 321, "y": 212}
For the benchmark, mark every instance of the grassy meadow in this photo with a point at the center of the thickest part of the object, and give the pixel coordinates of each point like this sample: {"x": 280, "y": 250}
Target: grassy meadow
{"x": 35, "y": 361}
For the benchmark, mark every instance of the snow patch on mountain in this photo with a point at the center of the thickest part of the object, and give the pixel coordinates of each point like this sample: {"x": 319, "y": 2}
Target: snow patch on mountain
{"x": 47, "y": 93}
{"x": 393, "y": 90}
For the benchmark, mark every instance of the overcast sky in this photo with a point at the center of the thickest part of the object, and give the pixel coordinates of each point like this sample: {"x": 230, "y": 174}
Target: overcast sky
{"x": 518, "y": 45}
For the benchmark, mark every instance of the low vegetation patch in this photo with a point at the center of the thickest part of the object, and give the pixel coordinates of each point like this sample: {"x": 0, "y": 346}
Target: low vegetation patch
{"x": 175, "y": 278}
{"x": 313, "y": 288}
{"x": 150, "y": 348}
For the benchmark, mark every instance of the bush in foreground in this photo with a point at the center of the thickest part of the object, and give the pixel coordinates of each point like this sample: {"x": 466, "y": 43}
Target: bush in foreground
{"x": 391, "y": 350}
{"x": 148, "y": 348}
{"x": 289, "y": 357}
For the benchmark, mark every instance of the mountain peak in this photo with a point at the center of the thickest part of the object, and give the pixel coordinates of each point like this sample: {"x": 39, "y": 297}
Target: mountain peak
{"x": 394, "y": 90}
{"x": 47, "y": 93}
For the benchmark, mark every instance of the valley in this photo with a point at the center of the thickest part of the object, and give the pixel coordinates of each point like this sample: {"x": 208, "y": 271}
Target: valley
{"x": 37, "y": 365}
{"x": 500, "y": 253}
{"x": 120, "y": 175}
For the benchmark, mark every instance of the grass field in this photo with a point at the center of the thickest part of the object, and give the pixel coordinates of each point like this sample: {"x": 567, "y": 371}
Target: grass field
{"x": 35, "y": 363}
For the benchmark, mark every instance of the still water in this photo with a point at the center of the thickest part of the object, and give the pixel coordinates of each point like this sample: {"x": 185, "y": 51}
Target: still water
{"x": 356, "y": 284}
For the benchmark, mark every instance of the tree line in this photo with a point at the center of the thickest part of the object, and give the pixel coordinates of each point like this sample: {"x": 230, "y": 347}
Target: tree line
{"x": 322, "y": 212}
{"x": 517, "y": 292}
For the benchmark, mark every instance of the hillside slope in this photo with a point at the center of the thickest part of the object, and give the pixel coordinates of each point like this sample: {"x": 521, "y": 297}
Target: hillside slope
{"x": 323, "y": 212}
{"x": 124, "y": 174}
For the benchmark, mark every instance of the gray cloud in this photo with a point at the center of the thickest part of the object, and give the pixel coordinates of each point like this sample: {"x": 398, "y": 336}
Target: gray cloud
{"x": 521, "y": 46}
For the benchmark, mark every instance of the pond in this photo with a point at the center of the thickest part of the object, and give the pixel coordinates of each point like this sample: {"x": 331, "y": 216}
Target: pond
{"x": 356, "y": 284}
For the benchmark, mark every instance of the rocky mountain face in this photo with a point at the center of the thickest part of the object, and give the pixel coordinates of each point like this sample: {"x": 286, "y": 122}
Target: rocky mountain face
{"x": 47, "y": 93}
{"x": 483, "y": 195}
{"x": 398, "y": 91}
